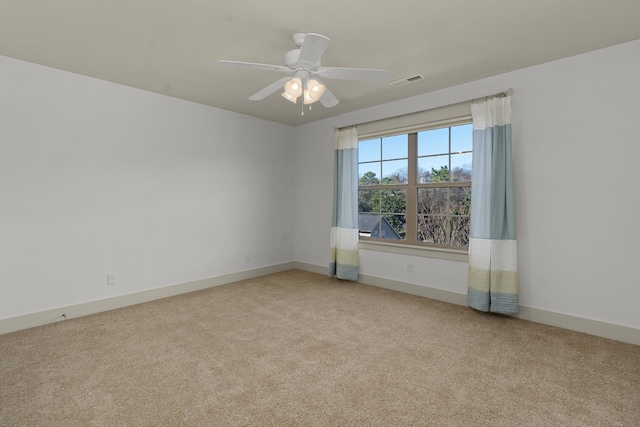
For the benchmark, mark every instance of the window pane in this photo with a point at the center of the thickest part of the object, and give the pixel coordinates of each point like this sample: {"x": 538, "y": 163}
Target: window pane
{"x": 397, "y": 231}
{"x": 432, "y": 229}
{"x": 460, "y": 201}
{"x": 443, "y": 230}
{"x": 433, "y": 201}
{"x": 369, "y": 224}
{"x": 382, "y": 214}
{"x": 368, "y": 201}
{"x": 434, "y": 141}
{"x": 395, "y": 147}
{"x": 459, "y": 226}
{"x": 368, "y": 174}
{"x": 369, "y": 150}
{"x": 461, "y": 167}
{"x": 433, "y": 169}
{"x": 393, "y": 205}
{"x": 462, "y": 138}
{"x": 395, "y": 172}
{"x": 393, "y": 201}
{"x": 382, "y": 226}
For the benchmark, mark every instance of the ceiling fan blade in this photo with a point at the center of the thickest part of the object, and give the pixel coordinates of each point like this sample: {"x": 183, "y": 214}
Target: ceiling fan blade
{"x": 263, "y": 93}
{"x": 312, "y": 49}
{"x": 328, "y": 99}
{"x": 367, "y": 74}
{"x": 253, "y": 65}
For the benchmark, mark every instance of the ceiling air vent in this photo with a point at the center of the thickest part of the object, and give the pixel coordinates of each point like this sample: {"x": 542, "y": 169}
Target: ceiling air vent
{"x": 407, "y": 80}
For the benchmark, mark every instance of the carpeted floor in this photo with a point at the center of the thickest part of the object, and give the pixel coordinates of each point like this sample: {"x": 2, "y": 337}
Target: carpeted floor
{"x": 297, "y": 348}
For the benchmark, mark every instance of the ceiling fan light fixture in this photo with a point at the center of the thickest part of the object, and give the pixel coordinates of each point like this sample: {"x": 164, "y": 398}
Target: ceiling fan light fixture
{"x": 293, "y": 87}
{"x": 307, "y": 97}
{"x": 303, "y": 63}
{"x": 315, "y": 89}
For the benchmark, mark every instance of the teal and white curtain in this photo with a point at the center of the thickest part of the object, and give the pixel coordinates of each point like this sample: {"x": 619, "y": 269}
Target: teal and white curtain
{"x": 343, "y": 257}
{"x": 493, "y": 274}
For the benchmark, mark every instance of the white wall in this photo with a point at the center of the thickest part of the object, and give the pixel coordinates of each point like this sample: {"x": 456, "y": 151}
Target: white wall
{"x": 98, "y": 178}
{"x": 576, "y": 151}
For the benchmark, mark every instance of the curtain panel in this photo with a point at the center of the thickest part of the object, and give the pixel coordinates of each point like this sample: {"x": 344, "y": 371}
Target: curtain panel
{"x": 493, "y": 275}
{"x": 343, "y": 254}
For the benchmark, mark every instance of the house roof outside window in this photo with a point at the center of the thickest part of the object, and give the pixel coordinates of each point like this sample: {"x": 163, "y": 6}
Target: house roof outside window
{"x": 376, "y": 225}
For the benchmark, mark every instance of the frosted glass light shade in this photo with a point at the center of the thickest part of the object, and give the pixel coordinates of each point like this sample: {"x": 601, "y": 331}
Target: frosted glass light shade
{"x": 293, "y": 87}
{"x": 288, "y": 97}
{"x": 307, "y": 97}
{"x": 315, "y": 88}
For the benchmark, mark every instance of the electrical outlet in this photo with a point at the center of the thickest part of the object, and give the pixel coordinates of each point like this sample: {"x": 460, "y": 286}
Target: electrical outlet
{"x": 409, "y": 267}
{"x": 111, "y": 279}
{"x": 247, "y": 258}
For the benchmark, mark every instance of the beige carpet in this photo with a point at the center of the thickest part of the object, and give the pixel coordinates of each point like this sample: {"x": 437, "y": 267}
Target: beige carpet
{"x": 297, "y": 348}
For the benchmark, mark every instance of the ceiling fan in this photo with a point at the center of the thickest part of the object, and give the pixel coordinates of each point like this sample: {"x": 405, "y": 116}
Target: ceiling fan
{"x": 303, "y": 63}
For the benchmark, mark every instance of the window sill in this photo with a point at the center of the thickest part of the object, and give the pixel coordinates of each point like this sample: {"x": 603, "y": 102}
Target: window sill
{"x": 429, "y": 252}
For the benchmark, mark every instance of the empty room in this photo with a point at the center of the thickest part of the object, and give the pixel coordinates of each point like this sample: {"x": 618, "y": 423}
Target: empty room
{"x": 319, "y": 213}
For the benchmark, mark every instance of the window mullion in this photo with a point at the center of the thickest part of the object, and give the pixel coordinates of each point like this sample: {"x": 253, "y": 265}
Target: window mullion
{"x": 412, "y": 191}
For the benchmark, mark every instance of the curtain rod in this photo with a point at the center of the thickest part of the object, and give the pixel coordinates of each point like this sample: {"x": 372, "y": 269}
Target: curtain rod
{"x": 502, "y": 94}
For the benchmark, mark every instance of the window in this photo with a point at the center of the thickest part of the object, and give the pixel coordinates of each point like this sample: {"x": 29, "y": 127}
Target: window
{"x": 415, "y": 188}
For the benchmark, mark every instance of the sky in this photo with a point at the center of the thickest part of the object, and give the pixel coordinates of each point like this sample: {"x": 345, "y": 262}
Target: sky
{"x": 390, "y": 153}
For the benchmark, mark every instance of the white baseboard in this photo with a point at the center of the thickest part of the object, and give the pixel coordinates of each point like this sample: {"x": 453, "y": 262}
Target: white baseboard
{"x": 50, "y": 316}
{"x": 394, "y": 285}
{"x": 581, "y": 324}
{"x": 565, "y": 321}
{"x": 574, "y": 323}
{"x": 312, "y": 268}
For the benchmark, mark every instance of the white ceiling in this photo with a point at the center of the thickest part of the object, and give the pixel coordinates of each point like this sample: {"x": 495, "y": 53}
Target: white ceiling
{"x": 171, "y": 46}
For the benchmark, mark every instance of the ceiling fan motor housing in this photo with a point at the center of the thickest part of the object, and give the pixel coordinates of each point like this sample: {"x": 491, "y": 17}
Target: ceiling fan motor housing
{"x": 298, "y": 39}
{"x": 291, "y": 58}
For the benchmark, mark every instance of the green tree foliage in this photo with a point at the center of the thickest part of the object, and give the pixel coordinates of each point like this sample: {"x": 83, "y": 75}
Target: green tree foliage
{"x": 440, "y": 175}
{"x": 365, "y": 204}
{"x": 391, "y": 203}
{"x": 369, "y": 178}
